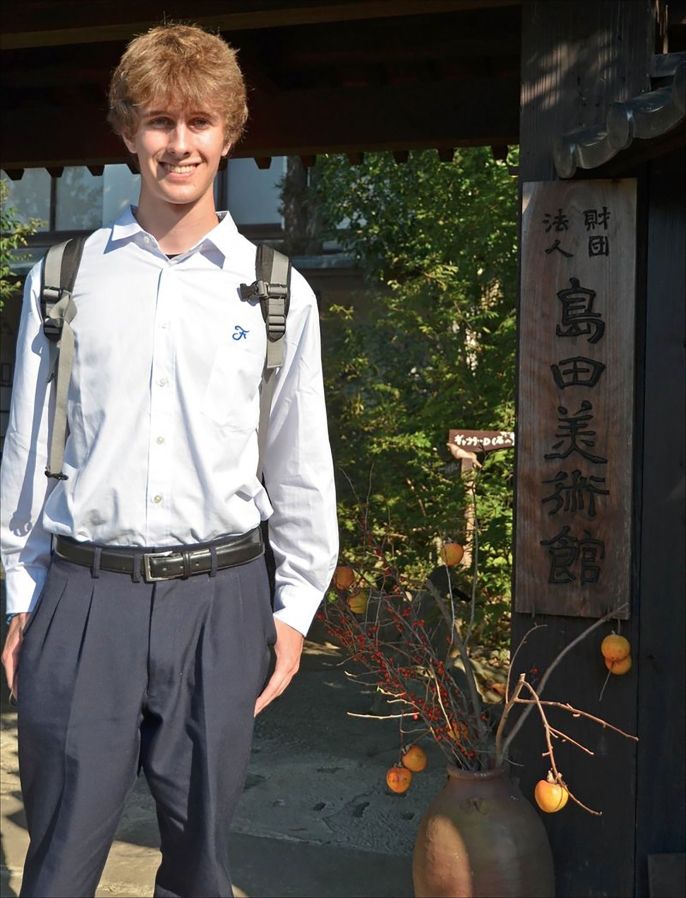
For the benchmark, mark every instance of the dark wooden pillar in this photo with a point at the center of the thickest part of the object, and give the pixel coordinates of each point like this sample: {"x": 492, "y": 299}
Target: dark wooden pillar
{"x": 578, "y": 58}
{"x": 661, "y": 550}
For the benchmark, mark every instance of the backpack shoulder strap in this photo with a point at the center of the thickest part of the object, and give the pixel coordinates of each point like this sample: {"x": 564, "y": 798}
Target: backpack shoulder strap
{"x": 272, "y": 287}
{"x": 60, "y": 266}
{"x": 273, "y": 269}
{"x": 58, "y": 309}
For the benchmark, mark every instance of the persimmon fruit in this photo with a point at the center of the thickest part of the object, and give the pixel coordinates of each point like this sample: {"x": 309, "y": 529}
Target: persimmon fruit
{"x": 343, "y": 577}
{"x": 615, "y": 647}
{"x": 415, "y": 759}
{"x": 398, "y": 779}
{"x": 550, "y": 795}
{"x": 451, "y": 554}
{"x": 619, "y": 667}
{"x": 358, "y": 602}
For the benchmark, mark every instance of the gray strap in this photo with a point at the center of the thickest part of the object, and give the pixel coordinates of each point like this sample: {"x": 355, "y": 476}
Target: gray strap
{"x": 266, "y": 395}
{"x": 273, "y": 284}
{"x": 277, "y": 310}
{"x": 58, "y": 310}
{"x": 64, "y": 309}
{"x": 52, "y": 272}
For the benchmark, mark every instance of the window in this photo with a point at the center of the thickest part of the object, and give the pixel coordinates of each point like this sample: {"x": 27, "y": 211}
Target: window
{"x": 253, "y": 195}
{"x": 77, "y": 200}
{"x": 81, "y": 201}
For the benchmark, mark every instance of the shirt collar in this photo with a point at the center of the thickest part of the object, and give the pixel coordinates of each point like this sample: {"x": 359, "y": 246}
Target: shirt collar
{"x": 126, "y": 228}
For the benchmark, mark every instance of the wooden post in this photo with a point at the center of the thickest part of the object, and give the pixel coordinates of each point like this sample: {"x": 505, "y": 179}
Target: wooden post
{"x": 660, "y": 557}
{"x": 577, "y": 59}
{"x": 465, "y": 446}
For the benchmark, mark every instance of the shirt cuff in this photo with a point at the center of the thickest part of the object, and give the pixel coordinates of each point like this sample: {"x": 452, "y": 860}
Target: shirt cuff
{"x": 23, "y": 587}
{"x": 297, "y": 606}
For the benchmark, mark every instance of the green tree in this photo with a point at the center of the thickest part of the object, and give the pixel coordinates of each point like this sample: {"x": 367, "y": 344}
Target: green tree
{"x": 13, "y": 235}
{"x": 432, "y": 347}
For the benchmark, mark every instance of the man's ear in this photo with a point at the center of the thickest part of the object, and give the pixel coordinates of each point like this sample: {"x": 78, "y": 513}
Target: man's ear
{"x": 129, "y": 143}
{"x": 225, "y": 151}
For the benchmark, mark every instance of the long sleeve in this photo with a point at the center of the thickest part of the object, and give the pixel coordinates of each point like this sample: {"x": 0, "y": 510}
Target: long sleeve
{"x": 298, "y": 470}
{"x": 23, "y": 484}
{"x": 163, "y": 408}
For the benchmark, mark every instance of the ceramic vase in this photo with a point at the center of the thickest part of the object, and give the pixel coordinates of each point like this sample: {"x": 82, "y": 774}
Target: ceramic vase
{"x": 480, "y": 838}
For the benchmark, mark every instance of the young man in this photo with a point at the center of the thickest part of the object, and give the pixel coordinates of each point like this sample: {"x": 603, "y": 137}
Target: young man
{"x": 142, "y": 622}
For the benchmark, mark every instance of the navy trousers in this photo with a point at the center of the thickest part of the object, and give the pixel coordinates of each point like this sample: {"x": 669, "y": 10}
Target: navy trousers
{"x": 116, "y": 677}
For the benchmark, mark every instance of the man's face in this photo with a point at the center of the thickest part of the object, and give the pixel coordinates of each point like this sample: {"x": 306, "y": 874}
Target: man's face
{"x": 179, "y": 151}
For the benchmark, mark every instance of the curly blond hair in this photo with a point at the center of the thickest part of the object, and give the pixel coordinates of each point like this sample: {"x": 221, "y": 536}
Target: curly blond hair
{"x": 181, "y": 66}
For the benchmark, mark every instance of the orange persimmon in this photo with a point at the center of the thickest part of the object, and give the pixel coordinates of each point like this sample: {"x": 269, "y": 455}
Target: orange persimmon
{"x": 343, "y": 577}
{"x": 550, "y": 795}
{"x": 451, "y": 554}
{"x": 358, "y": 602}
{"x": 398, "y": 779}
{"x": 415, "y": 759}
{"x": 615, "y": 647}
{"x": 619, "y": 667}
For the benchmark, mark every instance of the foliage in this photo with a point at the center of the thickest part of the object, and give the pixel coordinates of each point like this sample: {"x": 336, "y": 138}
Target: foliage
{"x": 13, "y": 235}
{"x": 431, "y": 346}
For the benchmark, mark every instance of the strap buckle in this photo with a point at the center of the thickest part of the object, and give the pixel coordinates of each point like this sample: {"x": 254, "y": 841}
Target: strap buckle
{"x": 54, "y": 476}
{"x": 263, "y": 290}
{"x": 149, "y": 557}
{"x": 256, "y": 290}
{"x": 52, "y": 328}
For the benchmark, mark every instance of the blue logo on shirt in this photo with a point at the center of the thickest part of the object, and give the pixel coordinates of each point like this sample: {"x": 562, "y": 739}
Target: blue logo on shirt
{"x": 239, "y": 333}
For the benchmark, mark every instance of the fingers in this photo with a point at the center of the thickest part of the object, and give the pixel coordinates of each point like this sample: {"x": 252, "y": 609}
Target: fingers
{"x": 277, "y": 685}
{"x": 274, "y": 688}
{"x": 10, "y": 661}
{"x": 10, "y": 652}
{"x": 288, "y": 649}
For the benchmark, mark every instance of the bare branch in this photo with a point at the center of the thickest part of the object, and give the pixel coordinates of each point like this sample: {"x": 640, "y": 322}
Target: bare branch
{"x": 469, "y": 672}
{"x": 500, "y": 747}
{"x": 575, "y": 712}
{"x": 475, "y": 552}
{"x": 553, "y": 664}
{"x": 566, "y": 738}
{"x": 584, "y": 806}
{"x": 522, "y": 641}
{"x": 550, "y": 753}
{"x": 546, "y": 727}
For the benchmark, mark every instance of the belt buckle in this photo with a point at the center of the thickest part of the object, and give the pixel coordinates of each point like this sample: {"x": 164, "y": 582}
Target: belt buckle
{"x": 147, "y": 573}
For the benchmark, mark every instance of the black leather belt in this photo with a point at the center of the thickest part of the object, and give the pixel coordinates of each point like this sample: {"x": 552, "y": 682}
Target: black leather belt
{"x": 164, "y": 564}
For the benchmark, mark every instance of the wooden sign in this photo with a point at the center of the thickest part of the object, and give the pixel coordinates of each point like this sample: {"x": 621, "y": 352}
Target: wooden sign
{"x": 482, "y": 440}
{"x": 575, "y": 397}
{"x": 465, "y": 445}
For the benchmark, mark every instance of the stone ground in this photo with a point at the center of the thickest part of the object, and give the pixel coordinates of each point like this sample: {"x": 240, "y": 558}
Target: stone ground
{"x": 315, "y": 818}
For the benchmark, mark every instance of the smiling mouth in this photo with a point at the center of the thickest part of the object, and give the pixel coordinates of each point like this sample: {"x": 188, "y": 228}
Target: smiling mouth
{"x": 184, "y": 169}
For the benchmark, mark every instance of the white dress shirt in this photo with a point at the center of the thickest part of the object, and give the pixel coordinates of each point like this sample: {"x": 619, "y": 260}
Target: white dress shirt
{"x": 163, "y": 413}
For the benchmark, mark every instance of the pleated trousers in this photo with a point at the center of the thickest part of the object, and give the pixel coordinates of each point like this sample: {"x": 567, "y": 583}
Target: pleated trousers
{"x": 117, "y": 677}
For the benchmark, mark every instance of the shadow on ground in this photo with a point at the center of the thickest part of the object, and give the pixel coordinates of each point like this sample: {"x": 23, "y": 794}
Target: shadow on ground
{"x": 315, "y": 818}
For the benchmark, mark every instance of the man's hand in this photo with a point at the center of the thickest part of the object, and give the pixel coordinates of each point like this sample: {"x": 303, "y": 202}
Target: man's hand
{"x": 288, "y": 648}
{"x": 10, "y": 653}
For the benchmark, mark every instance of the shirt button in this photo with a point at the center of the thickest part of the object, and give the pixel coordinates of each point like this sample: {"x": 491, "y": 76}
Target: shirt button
{"x": 160, "y": 440}
{"x": 157, "y": 499}
{"x": 162, "y": 382}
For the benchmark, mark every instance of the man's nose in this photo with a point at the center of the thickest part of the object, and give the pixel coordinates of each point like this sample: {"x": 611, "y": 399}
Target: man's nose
{"x": 179, "y": 140}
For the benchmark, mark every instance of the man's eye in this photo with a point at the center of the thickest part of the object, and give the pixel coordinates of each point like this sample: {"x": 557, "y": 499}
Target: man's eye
{"x": 201, "y": 123}
{"x": 160, "y": 122}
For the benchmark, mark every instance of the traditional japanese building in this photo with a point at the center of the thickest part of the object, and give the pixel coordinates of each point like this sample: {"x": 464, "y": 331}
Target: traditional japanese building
{"x": 594, "y": 94}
